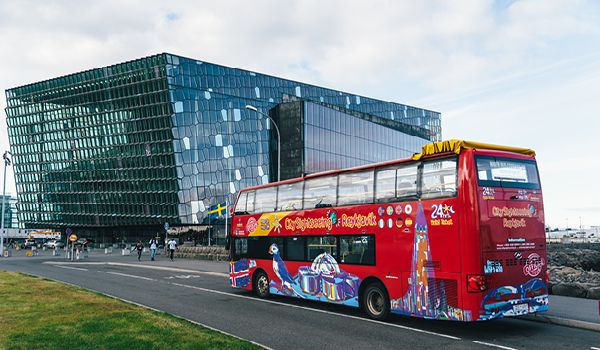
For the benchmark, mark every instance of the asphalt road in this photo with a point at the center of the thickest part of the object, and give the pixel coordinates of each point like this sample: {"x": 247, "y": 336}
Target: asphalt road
{"x": 289, "y": 323}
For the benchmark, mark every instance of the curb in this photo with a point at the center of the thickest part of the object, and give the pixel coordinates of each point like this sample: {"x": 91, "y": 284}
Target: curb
{"x": 595, "y": 327}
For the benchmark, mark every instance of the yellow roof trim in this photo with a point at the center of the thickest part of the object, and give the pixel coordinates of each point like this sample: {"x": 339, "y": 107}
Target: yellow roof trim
{"x": 456, "y": 145}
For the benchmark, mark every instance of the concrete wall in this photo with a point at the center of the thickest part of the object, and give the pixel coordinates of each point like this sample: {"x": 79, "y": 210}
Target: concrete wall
{"x": 560, "y": 246}
{"x": 201, "y": 253}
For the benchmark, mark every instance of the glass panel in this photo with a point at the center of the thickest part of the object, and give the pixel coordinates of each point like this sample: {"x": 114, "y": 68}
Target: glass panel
{"x": 385, "y": 184}
{"x": 320, "y": 192}
{"x": 290, "y": 196}
{"x": 439, "y": 179}
{"x": 355, "y": 188}
{"x": 406, "y": 178}
{"x": 357, "y": 249}
{"x": 240, "y": 206}
{"x": 318, "y": 245}
{"x": 296, "y": 250}
{"x": 506, "y": 172}
{"x": 258, "y": 247}
{"x": 266, "y": 199}
{"x": 250, "y": 202}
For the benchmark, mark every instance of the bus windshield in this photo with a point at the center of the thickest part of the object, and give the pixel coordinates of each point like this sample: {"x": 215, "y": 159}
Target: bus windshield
{"x": 507, "y": 172}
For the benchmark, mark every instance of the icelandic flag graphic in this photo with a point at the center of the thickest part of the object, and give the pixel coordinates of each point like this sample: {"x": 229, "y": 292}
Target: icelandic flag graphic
{"x": 239, "y": 276}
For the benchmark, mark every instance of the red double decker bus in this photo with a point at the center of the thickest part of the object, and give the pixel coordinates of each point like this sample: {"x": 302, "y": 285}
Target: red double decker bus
{"x": 454, "y": 233}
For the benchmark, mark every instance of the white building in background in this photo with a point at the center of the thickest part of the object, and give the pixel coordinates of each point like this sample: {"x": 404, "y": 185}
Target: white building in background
{"x": 591, "y": 235}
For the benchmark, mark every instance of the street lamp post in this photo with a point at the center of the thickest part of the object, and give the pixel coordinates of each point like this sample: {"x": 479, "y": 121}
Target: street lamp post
{"x": 6, "y": 163}
{"x": 252, "y": 108}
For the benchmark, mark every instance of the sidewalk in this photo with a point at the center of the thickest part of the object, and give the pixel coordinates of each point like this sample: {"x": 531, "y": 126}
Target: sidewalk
{"x": 219, "y": 268}
{"x": 571, "y": 312}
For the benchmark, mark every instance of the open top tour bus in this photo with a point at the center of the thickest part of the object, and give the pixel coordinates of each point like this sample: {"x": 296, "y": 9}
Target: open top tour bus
{"x": 454, "y": 233}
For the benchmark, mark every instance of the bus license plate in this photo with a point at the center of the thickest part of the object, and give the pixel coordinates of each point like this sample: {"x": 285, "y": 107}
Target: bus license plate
{"x": 518, "y": 308}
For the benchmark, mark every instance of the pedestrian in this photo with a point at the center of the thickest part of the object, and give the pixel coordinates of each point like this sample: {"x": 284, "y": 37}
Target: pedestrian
{"x": 139, "y": 246}
{"x": 11, "y": 243}
{"x": 153, "y": 248}
{"x": 172, "y": 246}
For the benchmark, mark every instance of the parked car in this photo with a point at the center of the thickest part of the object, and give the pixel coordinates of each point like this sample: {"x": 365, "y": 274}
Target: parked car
{"x": 29, "y": 243}
{"x": 84, "y": 242}
{"x": 53, "y": 244}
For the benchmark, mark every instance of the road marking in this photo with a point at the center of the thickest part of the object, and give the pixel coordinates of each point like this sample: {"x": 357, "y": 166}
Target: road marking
{"x": 498, "y": 346}
{"x": 183, "y": 276}
{"x": 174, "y": 269}
{"x": 72, "y": 268}
{"x": 133, "y": 276}
{"x": 593, "y": 348}
{"x": 317, "y": 310}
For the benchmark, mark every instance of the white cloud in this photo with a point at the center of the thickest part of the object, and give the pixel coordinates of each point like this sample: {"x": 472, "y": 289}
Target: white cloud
{"x": 522, "y": 73}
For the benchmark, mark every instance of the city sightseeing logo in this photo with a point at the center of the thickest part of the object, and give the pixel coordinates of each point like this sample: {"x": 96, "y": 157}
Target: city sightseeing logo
{"x": 251, "y": 225}
{"x": 534, "y": 265}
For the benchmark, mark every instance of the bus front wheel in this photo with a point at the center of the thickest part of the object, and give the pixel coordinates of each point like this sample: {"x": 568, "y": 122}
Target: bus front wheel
{"x": 261, "y": 285}
{"x": 376, "y": 302}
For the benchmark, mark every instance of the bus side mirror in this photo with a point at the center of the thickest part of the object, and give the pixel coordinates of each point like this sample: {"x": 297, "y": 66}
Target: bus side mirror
{"x": 227, "y": 242}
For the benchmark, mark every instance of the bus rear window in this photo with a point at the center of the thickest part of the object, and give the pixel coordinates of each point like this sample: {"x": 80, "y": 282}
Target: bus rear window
{"x": 507, "y": 172}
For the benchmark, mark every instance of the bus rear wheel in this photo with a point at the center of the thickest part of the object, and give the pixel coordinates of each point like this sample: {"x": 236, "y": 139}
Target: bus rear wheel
{"x": 376, "y": 302}
{"x": 261, "y": 285}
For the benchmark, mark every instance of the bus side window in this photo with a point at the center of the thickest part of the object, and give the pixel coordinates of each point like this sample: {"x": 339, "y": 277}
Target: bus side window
{"x": 290, "y": 196}
{"x": 240, "y": 206}
{"x": 240, "y": 247}
{"x": 355, "y": 188}
{"x": 266, "y": 200}
{"x": 320, "y": 192}
{"x": 385, "y": 184}
{"x": 357, "y": 250}
{"x": 406, "y": 181}
{"x": 250, "y": 202}
{"x": 318, "y": 245}
{"x": 295, "y": 248}
{"x": 438, "y": 179}
{"x": 258, "y": 247}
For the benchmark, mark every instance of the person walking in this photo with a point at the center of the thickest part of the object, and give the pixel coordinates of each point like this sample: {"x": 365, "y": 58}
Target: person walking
{"x": 153, "y": 248}
{"x": 172, "y": 246}
{"x": 139, "y": 246}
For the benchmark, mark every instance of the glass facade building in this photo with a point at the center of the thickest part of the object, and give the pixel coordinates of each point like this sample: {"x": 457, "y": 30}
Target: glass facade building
{"x": 10, "y": 212}
{"x": 121, "y": 150}
{"x": 338, "y": 140}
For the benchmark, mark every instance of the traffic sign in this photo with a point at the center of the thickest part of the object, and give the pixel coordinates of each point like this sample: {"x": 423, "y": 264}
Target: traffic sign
{"x": 73, "y": 237}
{"x": 166, "y": 225}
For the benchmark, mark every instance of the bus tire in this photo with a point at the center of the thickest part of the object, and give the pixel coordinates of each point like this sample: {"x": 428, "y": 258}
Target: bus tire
{"x": 261, "y": 285}
{"x": 376, "y": 302}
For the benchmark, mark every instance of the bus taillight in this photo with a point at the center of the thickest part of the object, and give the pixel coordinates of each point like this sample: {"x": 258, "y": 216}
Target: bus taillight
{"x": 479, "y": 283}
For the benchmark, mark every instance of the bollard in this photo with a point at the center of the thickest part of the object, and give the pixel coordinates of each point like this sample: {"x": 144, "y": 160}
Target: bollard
{"x": 56, "y": 252}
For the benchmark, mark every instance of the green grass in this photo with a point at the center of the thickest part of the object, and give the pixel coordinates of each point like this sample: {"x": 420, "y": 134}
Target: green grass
{"x": 37, "y": 313}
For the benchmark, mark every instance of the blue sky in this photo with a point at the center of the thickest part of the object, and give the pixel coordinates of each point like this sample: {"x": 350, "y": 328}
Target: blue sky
{"x": 519, "y": 73}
